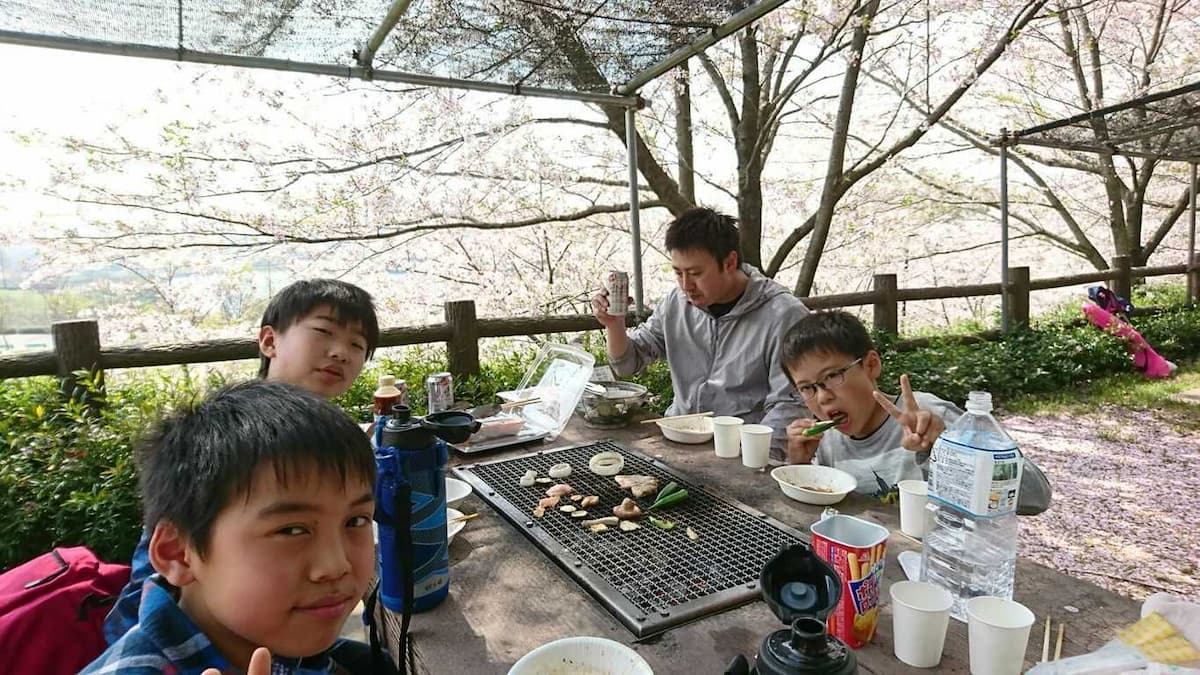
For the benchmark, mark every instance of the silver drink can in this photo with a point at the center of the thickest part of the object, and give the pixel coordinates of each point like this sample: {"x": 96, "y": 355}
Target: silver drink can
{"x": 441, "y": 391}
{"x": 616, "y": 284}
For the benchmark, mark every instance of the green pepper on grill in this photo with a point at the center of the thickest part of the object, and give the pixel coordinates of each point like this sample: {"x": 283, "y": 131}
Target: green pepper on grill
{"x": 669, "y": 499}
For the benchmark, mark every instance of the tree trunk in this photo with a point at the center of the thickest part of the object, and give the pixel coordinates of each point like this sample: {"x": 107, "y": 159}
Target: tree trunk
{"x": 837, "y": 153}
{"x": 1113, "y": 187}
{"x": 587, "y": 77}
{"x": 683, "y": 133}
{"x": 749, "y": 161}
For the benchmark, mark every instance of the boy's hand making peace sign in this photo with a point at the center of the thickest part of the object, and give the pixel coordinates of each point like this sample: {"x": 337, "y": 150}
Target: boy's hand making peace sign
{"x": 921, "y": 427}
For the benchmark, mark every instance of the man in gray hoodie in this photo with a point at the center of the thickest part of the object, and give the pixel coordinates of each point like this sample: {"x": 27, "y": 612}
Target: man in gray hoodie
{"x": 719, "y": 331}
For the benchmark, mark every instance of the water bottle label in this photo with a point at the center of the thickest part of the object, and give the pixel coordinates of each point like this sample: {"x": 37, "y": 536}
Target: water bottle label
{"x": 982, "y": 482}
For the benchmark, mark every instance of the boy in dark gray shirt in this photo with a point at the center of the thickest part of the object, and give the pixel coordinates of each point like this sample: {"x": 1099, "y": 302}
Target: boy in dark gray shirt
{"x": 832, "y": 362}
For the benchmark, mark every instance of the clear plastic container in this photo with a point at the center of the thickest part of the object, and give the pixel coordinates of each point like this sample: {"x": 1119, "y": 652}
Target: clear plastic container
{"x": 557, "y": 378}
{"x": 968, "y": 555}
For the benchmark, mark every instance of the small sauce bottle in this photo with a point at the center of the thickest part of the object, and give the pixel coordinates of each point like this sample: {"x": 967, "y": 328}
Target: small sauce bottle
{"x": 386, "y": 396}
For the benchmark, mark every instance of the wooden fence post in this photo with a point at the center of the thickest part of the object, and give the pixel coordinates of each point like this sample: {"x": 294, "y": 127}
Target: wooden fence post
{"x": 1122, "y": 280}
{"x": 1018, "y": 297}
{"x": 462, "y": 349}
{"x": 887, "y": 312}
{"x": 1193, "y": 280}
{"x": 77, "y": 347}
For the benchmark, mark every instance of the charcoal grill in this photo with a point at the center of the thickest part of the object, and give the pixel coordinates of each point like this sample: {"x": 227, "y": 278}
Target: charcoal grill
{"x": 650, "y": 579}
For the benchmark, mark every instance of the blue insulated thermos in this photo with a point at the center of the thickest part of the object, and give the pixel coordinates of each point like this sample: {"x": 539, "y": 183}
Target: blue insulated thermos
{"x": 410, "y": 496}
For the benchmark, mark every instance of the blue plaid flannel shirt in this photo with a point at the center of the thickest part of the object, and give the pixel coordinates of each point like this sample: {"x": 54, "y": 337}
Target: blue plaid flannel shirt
{"x": 164, "y": 640}
{"x": 124, "y": 613}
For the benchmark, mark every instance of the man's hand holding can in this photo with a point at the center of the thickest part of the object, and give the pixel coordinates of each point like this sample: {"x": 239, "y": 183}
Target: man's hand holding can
{"x": 606, "y": 307}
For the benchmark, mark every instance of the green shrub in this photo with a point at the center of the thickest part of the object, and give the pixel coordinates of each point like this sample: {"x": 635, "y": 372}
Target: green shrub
{"x": 66, "y": 471}
{"x": 1051, "y": 358}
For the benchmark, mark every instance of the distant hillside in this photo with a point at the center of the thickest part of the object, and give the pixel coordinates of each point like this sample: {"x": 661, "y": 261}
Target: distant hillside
{"x": 23, "y": 310}
{"x": 15, "y": 263}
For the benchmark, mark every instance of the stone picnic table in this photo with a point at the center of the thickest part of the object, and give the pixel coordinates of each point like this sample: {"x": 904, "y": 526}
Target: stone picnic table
{"x": 507, "y": 597}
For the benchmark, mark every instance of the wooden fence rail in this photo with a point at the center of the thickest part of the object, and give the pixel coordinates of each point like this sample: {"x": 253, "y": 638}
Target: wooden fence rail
{"x": 77, "y": 345}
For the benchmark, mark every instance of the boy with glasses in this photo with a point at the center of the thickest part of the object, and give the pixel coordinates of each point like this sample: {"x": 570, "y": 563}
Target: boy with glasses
{"x": 832, "y": 362}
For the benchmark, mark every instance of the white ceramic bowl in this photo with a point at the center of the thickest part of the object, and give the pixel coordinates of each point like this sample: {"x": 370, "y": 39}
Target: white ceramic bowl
{"x": 694, "y": 430}
{"x": 456, "y": 491}
{"x": 453, "y": 528}
{"x": 796, "y": 480}
{"x": 573, "y": 655}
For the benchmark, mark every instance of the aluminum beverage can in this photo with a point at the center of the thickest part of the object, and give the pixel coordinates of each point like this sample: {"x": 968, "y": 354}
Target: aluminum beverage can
{"x": 441, "y": 391}
{"x": 616, "y": 284}
{"x": 856, "y": 549}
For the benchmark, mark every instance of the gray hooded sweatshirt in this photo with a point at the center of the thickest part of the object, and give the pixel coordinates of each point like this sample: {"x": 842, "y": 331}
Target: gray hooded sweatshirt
{"x": 728, "y": 365}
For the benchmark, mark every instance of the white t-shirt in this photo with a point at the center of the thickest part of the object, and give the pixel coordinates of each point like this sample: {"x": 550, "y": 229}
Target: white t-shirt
{"x": 880, "y": 451}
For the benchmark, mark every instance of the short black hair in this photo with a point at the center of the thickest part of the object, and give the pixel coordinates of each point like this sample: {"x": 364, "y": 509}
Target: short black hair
{"x": 196, "y": 461}
{"x": 350, "y": 304}
{"x": 706, "y": 230}
{"x": 830, "y": 332}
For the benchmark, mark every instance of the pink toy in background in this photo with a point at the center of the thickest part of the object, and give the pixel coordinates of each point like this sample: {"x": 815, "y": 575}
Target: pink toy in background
{"x": 1106, "y": 313}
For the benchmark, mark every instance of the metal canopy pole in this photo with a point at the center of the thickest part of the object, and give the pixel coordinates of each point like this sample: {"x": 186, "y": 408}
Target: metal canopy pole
{"x": 635, "y": 220}
{"x": 717, "y": 33}
{"x": 1004, "y": 321}
{"x": 353, "y": 72}
{"x": 1193, "y": 292}
{"x": 366, "y": 56}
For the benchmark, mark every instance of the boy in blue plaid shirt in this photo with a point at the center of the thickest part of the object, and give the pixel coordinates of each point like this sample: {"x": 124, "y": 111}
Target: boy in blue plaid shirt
{"x": 260, "y": 501}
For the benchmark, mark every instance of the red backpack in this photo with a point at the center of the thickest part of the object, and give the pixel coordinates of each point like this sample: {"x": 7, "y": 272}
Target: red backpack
{"x": 52, "y": 610}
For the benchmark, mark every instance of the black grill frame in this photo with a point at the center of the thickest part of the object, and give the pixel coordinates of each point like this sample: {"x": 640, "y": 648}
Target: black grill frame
{"x": 645, "y": 600}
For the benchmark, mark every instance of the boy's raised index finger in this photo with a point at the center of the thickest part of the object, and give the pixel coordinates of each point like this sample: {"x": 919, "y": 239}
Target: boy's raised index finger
{"x": 910, "y": 399}
{"x": 260, "y": 662}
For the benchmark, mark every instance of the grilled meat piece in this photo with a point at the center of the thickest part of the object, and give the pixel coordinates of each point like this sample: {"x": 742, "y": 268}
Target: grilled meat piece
{"x": 641, "y": 486}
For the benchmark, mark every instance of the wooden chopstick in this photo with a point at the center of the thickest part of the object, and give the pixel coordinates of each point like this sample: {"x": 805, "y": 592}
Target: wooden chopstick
{"x": 1046, "y": 642}
{"x": 519, "y": 404}
{"x": 465, "y": 516}
{"x": 678, "y": 417}
{"x": 1058, "y": 647}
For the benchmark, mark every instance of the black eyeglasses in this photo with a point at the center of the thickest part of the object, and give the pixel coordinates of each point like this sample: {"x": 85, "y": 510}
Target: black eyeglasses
{"x": 833, "y": 380}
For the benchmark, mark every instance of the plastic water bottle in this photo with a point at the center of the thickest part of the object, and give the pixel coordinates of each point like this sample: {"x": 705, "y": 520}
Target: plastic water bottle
{"x": 968, "y": 555}
{"x": 970, "y": 543}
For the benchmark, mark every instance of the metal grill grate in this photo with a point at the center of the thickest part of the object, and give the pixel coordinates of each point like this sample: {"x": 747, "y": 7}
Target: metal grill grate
{"x": 651, "y": 579}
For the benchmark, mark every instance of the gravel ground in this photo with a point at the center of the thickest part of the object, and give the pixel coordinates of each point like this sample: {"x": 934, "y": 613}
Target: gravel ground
{"x": 1126, "y": 507}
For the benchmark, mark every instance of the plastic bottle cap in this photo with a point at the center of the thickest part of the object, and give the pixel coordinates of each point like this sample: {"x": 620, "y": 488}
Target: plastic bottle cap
{"x": 979, "y": 401}
{"x": 387, "y": 381}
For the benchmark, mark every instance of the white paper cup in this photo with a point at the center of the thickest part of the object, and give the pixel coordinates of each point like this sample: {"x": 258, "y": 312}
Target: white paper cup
{"x": 726, "y": 440}
{"x": 756, "y": 445}
{"x": 920, "y": 616}
{"x": 998, "y": 632}
{"x": 913, "y": 497}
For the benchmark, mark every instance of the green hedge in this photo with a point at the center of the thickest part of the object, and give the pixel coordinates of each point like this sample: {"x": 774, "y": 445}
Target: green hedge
{"x": 66, "y": 477}
{"x": 66, "y": 471}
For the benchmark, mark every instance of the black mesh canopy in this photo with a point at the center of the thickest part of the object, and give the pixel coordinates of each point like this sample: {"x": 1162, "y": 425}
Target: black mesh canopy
{"x": 568, "y": 46}
{"x": 1165, "y": 125}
